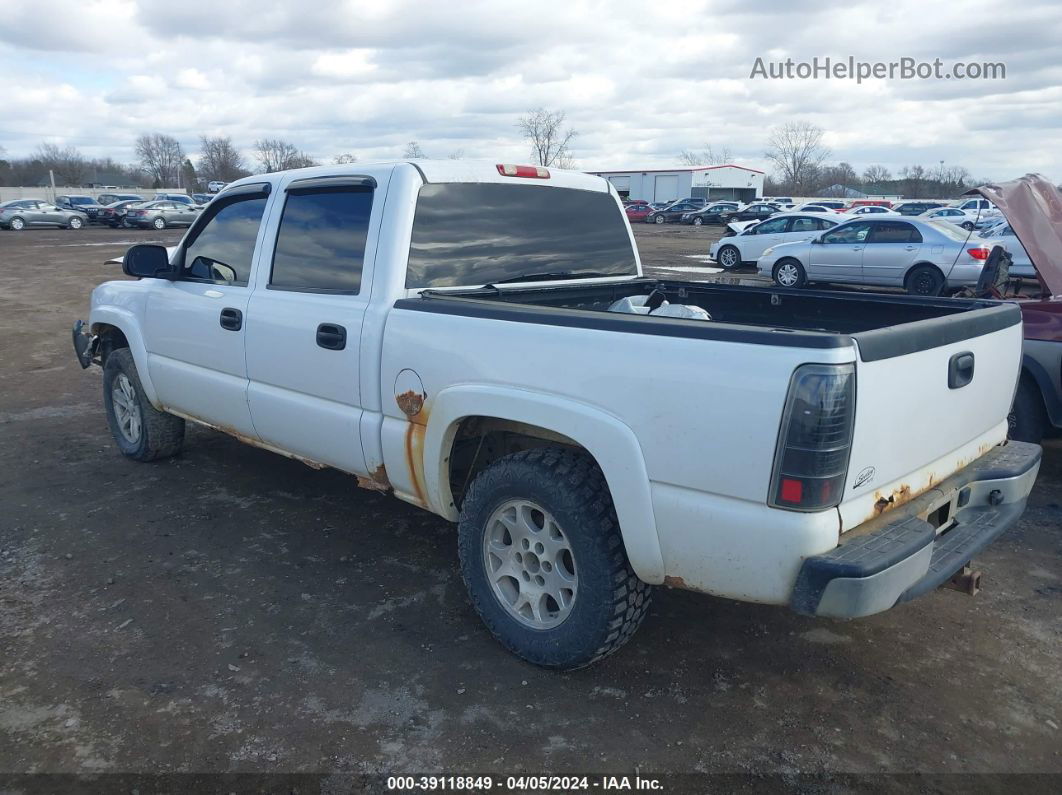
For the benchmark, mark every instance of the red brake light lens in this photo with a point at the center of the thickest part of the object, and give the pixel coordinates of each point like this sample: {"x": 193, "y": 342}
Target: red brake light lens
{"x": 530, "y": 172}
{"x": 978, "y": 253}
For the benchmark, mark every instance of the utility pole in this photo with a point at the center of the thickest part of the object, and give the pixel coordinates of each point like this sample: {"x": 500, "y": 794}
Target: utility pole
{"x": 51, "y": 177}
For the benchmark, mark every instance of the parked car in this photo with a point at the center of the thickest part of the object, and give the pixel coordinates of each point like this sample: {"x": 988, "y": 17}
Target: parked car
{"x": 114, "y": 214}
{"x": 916, "y": 207}
{"x": 923, "y": 257}
{"x": 953, "y": 215}
{"x": 216, "y": 185}
{"x": 82, "y": 204}
{"x": 660, "y": 205}
{"x": 814, "y": 207}
{"x": 833, "y": 205}
{"x": 785, "y": 202}
{"x": 19, "y": 214}
{"x": 671, "y": 213}
{"x": 867, "y": 203}
{"x": 749, "y": 243}
{"x": 202, "y": 198}
{"x": 160, "y": 214}
{"x": 976, "y": 206}
{"x": 1002, "y": 233}
{"x": 638, "y": 212}
{"x": 868, "y": 209}
{"x": 573, "y": 466}
{"x": 180, "y": 198}
{"x": 712, "y": 214}
{"x": 110, "y": 198}
{"x": 750, "y": 212}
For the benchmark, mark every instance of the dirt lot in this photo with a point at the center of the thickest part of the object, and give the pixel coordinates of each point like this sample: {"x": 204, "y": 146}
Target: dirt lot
{"x": 232, "y": 610}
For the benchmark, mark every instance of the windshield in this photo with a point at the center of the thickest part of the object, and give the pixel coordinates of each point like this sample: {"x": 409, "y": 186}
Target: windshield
{"x": 82, "y": 200}
{"x": 478, "y": 233}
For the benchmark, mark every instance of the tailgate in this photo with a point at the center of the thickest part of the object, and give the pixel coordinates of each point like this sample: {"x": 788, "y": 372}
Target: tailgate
{"x": 920, "y": 416}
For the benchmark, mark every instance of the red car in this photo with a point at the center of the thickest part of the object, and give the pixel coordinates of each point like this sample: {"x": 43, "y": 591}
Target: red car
{"x": 637, "y": 212}
{"x": 1032, "y": 207}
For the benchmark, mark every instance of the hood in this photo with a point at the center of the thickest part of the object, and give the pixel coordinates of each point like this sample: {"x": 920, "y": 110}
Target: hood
{"x": 1032, "y": 206}
{"x": 739, "y": 226}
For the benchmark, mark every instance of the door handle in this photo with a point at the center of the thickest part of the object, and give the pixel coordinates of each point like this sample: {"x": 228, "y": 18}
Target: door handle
{"x": 332, "y": 336}
{"x": 910, "y": 248}
{"x": 960, "y": 370}
{"x": 231, "y": 319}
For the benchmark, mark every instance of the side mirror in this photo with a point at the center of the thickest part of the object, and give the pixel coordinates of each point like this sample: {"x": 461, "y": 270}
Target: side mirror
{"x": 817, "y": 240}
{"x": 147, "y": 261}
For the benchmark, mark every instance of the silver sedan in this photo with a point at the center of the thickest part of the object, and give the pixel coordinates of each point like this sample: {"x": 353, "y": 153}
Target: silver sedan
{"x": 161, "y": 214}
{"x": 923, "y": 257}
{"x": 19, "y": 214}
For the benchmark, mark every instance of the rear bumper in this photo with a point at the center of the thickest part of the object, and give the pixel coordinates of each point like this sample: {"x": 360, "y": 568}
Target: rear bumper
{"x": 901, "y": 559}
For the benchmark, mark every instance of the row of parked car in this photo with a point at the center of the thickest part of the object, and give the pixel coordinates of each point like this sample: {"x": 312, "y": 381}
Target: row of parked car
{"x": 110, "y": 209}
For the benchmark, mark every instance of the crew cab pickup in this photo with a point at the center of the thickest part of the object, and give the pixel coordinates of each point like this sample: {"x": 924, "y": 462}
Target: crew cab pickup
{"x": 479, "y": 340}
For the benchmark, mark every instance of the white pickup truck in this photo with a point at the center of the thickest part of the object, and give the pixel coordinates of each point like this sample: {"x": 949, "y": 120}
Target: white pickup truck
{"x": 479, "y": 340}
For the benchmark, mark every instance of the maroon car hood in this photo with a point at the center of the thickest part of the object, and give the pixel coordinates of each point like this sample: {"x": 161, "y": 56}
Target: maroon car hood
{"x": 1033, "y": 207}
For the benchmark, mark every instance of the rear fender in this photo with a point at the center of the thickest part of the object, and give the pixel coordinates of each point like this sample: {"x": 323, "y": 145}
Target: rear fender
{"x": 611, "y": 442}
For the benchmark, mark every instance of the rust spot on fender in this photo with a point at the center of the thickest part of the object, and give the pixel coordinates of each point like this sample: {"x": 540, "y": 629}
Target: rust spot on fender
{"x": 411, "y": 403}
{"x": 378, "y": 482}
{"x": 676, "y": 582}
{"x": 415, "y": 432}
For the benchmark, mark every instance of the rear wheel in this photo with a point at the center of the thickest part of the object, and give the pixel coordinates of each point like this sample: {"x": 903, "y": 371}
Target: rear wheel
{"x": 789, "y": 272}
{"x": 698, "y": 221}
{"x": 159, "y": 223}
{"x": 543, "y": 560}
{"x": 141, "y": 431}
{"x": 17, "y": 224}
{"x": 1028, "y": 420}
{"x": 967, "y": 226}
{"x": 659, "y": 219}
{"x": 925, "y": 280}
{"x": 729, "y": 257}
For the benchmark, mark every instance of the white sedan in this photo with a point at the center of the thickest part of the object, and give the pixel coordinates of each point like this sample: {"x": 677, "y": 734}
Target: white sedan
{"x": 954, "y": 215}
{"x": 868, "y": 209}
{"x": 1001, "y": 234}
{"x": 924, "y": 257}
{"x": 751, "y": 241}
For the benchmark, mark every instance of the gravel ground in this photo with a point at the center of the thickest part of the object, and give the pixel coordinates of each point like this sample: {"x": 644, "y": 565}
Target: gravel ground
{"x": 232, "y": 610}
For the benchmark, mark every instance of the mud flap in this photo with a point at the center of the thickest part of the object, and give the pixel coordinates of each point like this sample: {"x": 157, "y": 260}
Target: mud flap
{"x": 85, "y": 345}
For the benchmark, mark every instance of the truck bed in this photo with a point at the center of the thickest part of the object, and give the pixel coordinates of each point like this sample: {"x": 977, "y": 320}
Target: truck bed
{"x": 882, "y": 325}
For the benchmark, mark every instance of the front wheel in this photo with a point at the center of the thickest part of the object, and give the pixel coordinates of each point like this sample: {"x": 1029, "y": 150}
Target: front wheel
{"x": 968, "y": 226}
{"x": 789, "y": 273}
{"x": 659, "y": 219}
{"x": 925, "y": 280}
{"x": 543, "y": 560}
{"x": 141, "y": 431}
{"x": 729, "y": 257}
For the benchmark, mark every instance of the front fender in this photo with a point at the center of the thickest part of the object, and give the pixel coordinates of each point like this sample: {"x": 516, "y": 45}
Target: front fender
{"x": 127, "y": 322}
{"x": 610, "y": 441}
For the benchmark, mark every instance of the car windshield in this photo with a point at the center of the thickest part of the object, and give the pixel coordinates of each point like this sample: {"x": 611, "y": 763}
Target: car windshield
{"x": 82, "y": 200}
{"x": 478, "y": 233}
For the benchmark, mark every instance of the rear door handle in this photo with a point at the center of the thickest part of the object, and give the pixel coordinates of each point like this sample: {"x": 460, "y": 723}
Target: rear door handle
{"x": 231, "y": 319}
{"x": 960, "y": 370}
{"x": 332, "y": 336}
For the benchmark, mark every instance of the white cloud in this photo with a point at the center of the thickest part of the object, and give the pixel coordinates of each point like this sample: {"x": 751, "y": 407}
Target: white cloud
{"x": 639, "y": 82}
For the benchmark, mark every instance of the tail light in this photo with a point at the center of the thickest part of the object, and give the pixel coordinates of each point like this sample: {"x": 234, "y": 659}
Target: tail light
{"x": 978, "y": 253}
{"x": 532, "y": 172}
{"x": 815, "y": 439}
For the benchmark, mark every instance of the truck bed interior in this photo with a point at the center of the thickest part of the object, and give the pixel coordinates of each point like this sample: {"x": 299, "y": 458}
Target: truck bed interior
{"x": 831, "y": 312}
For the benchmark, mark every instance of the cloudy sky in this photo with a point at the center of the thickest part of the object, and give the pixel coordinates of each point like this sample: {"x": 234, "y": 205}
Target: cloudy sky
{"x": 640, "y": 81}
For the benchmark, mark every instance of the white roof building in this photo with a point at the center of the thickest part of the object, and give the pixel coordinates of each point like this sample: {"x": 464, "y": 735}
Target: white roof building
{"x": 667, "y": 184}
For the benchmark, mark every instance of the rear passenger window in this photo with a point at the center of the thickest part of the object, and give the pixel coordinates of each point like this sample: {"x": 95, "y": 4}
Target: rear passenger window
{"x": 894, "y": 232}
{"x": 223, "y": 249}
{"x": 321, "y": 240}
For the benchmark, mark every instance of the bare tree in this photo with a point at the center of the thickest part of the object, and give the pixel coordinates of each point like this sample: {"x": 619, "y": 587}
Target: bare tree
{"x": 275, "y": 154}
{"x": 544, "y": 131}
{"x": 913, "y": 180}
{"x": 160, "y": 157}
{"x": 414, "y": 152}
{"x": 344, "y": 158}
{"x": 219, "y": 159}
{"x": 707, "y": 156}
{"x": 457, "y": 154}
{"x": 67, "y": 163}
{"x": 875, "y": 175}
{"x": 797, "y": 151}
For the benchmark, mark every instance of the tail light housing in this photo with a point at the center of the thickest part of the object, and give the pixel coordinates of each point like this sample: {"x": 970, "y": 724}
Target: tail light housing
{"x": 815, "y": 438}
{"x": 978, "y": 253}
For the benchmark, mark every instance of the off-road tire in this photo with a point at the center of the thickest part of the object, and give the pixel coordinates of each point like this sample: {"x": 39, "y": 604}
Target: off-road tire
{"x": 611, "y": 601}
{"x": 161, "y": 434}
{"x": 1028, "y": 420}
